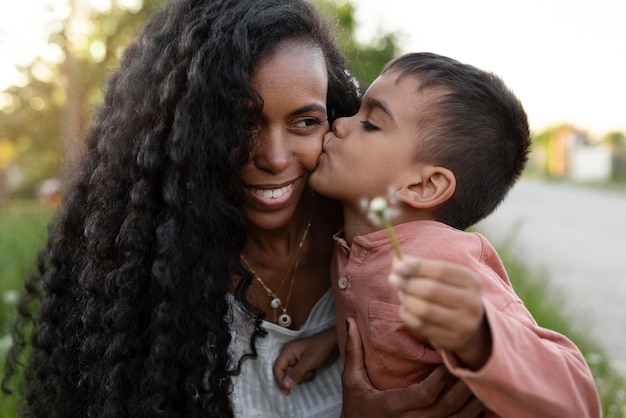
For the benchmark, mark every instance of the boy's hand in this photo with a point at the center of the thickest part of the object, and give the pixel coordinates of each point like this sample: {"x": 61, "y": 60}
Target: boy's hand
{"x": 442, "y": 302}
{"x": 299, "y": 360}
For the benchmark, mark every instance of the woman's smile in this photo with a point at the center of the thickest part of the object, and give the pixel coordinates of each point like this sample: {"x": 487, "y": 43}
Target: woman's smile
{"x": 272, "y": 196}
{"x": 273, "y": 193}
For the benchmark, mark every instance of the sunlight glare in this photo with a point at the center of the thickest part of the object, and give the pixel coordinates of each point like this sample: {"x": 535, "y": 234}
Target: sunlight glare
{"x": 7, "y": 102}
{"x": 37, "y": 103}
{"x": 132, "y": 6}
{"x": 53, "y": 54}
{"x": 42, "y": 72}
{"x": 98, "y": 50}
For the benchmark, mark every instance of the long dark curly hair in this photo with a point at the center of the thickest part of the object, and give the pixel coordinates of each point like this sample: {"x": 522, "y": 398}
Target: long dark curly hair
{"x": 126, "y": 315}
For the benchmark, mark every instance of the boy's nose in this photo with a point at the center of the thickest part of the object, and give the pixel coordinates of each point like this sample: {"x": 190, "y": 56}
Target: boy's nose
{"x": 339, "y": 127}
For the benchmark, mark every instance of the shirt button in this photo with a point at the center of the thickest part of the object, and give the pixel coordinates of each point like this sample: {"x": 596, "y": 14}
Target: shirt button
{"x": 343, "y": 283}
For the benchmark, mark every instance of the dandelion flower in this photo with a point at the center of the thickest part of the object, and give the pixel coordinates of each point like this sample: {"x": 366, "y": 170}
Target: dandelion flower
{"x": 378, "y": 214}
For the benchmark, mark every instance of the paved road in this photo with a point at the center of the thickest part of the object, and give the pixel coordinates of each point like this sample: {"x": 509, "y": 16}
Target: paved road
{"x": 578, "y": 235}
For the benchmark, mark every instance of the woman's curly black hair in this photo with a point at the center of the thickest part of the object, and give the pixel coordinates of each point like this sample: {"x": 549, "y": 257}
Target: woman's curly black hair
{"x": 127, "y": 313}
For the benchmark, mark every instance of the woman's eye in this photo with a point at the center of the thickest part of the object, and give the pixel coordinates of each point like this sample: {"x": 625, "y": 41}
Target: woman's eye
{"x": 305, "y": 123}
{"x": 368, "y": 126}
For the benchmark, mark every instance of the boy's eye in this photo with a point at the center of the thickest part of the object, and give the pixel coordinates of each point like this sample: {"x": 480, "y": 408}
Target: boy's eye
{"x": 368, "y": 126}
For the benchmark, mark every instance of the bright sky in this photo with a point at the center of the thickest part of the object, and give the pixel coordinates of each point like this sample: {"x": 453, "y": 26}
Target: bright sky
{"x": 23, "y": 25}
{"x": 565, "y": 59}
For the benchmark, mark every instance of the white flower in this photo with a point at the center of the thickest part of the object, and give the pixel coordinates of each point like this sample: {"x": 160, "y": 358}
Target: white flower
{"x": 376, "y": 212}
{"x": 379, "y": 214}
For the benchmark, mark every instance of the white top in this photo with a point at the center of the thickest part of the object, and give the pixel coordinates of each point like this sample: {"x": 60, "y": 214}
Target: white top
{"x": 255, "y": 392}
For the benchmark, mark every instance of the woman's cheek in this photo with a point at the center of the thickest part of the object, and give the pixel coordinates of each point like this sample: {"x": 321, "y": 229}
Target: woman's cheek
{"x": 315, "y": 149}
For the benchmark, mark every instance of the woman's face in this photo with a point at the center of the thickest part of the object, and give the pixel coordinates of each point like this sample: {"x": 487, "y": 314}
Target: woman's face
{"x": 288, "y": 135}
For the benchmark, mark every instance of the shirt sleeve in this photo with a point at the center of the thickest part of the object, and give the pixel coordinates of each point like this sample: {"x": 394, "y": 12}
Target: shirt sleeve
{"x": 532, "y": 371}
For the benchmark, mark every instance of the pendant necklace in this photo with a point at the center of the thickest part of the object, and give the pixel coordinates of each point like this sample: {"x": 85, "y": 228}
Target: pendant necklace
{"x": 284, "y": 320}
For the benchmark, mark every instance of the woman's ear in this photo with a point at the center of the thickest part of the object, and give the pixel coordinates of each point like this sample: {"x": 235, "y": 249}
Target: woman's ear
{"x": 430, "y": 187}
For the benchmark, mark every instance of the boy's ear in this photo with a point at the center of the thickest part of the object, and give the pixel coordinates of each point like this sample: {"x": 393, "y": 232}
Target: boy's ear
{"x": 431, "y": 187}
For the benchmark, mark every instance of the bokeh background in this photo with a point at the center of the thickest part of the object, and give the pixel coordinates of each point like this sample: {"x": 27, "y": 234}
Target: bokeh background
{"x": 566, "y": 60}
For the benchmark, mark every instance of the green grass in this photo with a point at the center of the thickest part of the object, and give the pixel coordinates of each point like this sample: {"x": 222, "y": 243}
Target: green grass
{"x": 22, "y": 234}
{"x": 23, "y": 230}
{"x": 23, "y": 226}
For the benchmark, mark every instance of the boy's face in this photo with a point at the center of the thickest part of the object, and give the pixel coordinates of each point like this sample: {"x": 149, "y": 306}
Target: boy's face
{"x": 372, "y": 152}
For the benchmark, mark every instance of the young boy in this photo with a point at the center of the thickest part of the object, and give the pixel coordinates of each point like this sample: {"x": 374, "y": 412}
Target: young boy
{"x": 447, "y": 141}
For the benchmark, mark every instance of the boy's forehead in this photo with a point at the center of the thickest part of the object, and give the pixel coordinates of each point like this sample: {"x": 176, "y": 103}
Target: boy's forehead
{"x": 398, "y": 93}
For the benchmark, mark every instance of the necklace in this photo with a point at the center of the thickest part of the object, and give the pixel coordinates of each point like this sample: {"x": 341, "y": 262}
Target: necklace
{"x": 284, "y": 320}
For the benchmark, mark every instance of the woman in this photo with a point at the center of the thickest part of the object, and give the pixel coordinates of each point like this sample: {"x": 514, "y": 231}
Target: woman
{"x": 189, "y": 209}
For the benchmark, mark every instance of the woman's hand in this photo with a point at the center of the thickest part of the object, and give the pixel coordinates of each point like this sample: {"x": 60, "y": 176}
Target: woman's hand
{"x": 299, "y": 359}
{"x": 439, "y": 395}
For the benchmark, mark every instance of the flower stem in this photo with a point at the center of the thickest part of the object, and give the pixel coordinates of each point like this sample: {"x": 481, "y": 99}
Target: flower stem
{"x": 392, "y": 237}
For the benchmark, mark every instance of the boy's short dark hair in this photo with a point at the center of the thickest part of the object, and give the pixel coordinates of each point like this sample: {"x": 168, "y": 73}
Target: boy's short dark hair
{"x": 473, "y": 125}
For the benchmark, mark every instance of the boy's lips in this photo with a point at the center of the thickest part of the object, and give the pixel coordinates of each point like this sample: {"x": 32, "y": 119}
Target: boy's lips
{"x": 326, "y": 140}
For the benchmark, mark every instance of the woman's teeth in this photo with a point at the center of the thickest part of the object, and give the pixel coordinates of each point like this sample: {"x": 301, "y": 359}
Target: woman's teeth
{"x": 273, "y": 193}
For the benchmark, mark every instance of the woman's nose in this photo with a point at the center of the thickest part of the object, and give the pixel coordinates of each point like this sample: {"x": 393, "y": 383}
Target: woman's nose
{"x": 271, "y": 151}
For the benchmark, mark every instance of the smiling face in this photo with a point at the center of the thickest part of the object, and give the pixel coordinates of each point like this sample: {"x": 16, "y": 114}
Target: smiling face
{"x": 372, "y": 151}
{"x": 293, "y": 83}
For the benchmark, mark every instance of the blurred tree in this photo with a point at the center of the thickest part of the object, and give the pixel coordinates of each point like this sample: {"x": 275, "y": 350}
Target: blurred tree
{"x": 617, "y": 142}
{"x": 93, "y": 43}
{"x": 29, "y": 121}
{"x": 615, "y": 139}
{"x": 365, "y": 60}
{"x": 44, "y": 119}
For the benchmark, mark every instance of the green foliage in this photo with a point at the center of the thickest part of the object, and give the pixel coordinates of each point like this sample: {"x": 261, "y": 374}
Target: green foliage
{"x": 615, "y": 139}
{"x": 33, "y": 130}
{"x": 365, "y": 60}
{"x": 22, "y": 235}
{"x": 617, "y": 142}
{"x": 46, "y": 117}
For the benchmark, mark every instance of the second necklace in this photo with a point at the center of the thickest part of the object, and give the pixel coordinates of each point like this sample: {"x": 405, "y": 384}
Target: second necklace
{"x": 284, "y": 320}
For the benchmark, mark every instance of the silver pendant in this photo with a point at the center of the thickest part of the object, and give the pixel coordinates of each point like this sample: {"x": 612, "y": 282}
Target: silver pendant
{"x": 284, "y": 320}
{"x": 276, "y": 303}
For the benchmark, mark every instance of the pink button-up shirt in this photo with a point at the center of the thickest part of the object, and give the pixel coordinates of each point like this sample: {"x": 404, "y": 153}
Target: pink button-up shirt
{"x": 531, "y": 372}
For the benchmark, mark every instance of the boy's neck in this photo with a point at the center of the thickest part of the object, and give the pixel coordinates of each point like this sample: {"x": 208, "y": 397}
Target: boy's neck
{"x": 356, "y": 221}
{"x": 355, "y": 225}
